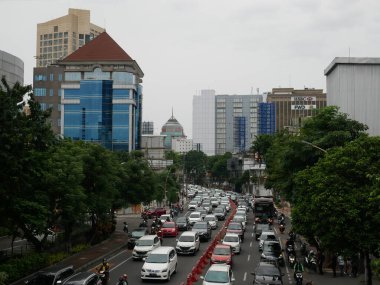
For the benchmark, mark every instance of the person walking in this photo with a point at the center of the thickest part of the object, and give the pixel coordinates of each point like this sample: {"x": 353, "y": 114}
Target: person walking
{"x": 333, "y": 264}
{"x": 354, "y": 265}
{"x": 321, "y": 260}
{"x": 340, "y": 260}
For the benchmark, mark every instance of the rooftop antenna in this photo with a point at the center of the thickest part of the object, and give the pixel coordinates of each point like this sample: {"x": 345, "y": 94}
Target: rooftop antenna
{"x": 258, "y": 91}
{"x": 172, "y": 112}
{"x": 349, "y": 54}
{"x": 251, "y": 90}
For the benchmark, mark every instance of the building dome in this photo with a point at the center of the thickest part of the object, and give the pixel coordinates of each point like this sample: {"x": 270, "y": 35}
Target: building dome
{"x": 172, "y": 129}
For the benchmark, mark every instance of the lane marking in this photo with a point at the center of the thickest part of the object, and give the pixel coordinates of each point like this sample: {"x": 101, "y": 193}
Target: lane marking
{"x": 245, "y": 276}
{"x": 249, "y": 257}
{"x": 120, "y": 264}
{"x": 250, "y": 245}
{"x": 121, "y": 252}
{"x": 252, "y": 234}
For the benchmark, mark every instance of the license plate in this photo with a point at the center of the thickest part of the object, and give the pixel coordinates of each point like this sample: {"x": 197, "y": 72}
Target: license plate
{"x": 152, "y": 275}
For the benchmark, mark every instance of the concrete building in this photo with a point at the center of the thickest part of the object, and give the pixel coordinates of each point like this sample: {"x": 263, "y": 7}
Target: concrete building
{"x": 102, "y": 95}
{"x": 153, "y": 146}
{"x": 12, "y": 68}
{"x": 182, "y": 145}
{"x": 60, "y": 37}
{"x": 172, "y": 129}
{"x": 353, "y": 84}
{"x": 236, "y": 122}
{"x": 204, "y": 121}
{"x": 147, "y": 128}
{"x": 292, "y": 106}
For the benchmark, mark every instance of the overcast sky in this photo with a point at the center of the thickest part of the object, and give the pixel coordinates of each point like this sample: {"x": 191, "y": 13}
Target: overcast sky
{"x": 232, "y": 46}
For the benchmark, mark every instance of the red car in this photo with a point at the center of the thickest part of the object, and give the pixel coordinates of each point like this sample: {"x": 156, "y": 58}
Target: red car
{"x": 222, "y": 254}
{"x": 151, "y": 212}
{"x": 169, "y": 229}
{"x": 236, "y": 228}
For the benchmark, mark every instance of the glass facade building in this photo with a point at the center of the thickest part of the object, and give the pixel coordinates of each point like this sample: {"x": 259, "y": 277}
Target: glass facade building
{"x": 267, "y": 118}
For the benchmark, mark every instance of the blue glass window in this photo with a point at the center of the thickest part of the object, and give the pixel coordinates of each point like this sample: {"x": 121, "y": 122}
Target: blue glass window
{"x": 72, "y": 76}
{"x": 51, "y": 76}
{"x": 43, "y": 106}
{"x": 123, "y": 78}
{"x": 59, "y": 92}
{"x": 40, "y": 77}
{"x": 51, "y": 91}
{"x": 60, "y": 76}
{"x": 39, "y": 92}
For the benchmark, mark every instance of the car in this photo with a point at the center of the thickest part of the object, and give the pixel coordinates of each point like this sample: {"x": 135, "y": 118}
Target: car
{"x": 144, "y": 245}
{"x": 234, "y": 241}
{"x": 203, "y": 229}
{"x": 267, "y": 273}
{"x": 202, "y": 211}
{"x": 243, "y": 207}
{"x": 272, "y": 251}
{"x": 160, "y": 264}
{"x": 212, "y": 220}
{"x": 240, "y": 219}
{"x": 226, "y": 203}
{"x": 135, "y": 235}
{"x": 195, "y": 217}
{"x": 215, "y": 202}
{"x": 51, "y": 276}
{"x": 207, "y": 206}
{"x": 220, "y": 274}
{"x": 51, "y": 236}
{"x": 259, "y": 228}
{"x": 82, "y": 278}
{"x": 188, "y": 243}
{"x": 153, "y": 212}
{"x": 222, "y": 254}
{"x": 241, "y": 213}
{"x": 236, "y": 228}
{"x": 220, "y": 213}
{"x": 183, "y": 223}
{"x": 169, "y": 229}
{"x": 166, "y": 218}
{"x": 192, "y": 205}
{"x": 269, "y": 235}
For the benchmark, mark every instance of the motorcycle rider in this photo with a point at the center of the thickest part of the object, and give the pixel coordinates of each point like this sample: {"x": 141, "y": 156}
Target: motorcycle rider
{"x": 125, "y": 228}
{"x": 105, "y": 268}
{"x": 298, "y": 268}
{"x": 123, "y": 280}
{"x": 143, "y": 224}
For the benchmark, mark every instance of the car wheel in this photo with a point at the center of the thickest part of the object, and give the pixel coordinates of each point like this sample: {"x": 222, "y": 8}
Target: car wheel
{"x": 169, "y": 276}
{"x": 175, "y": 269}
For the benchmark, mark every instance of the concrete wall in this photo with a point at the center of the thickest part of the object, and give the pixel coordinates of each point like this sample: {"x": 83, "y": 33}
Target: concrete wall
{"x": 12, "y": 67}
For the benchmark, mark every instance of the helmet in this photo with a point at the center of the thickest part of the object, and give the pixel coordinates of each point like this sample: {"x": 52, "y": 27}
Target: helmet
{"x": 104, "y": 260}
{"x": 121, "y": 278}
{"x": 125, "y": 276}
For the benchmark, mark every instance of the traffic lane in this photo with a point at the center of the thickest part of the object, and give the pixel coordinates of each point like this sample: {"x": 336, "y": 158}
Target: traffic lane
{"x": 123, "y": 263}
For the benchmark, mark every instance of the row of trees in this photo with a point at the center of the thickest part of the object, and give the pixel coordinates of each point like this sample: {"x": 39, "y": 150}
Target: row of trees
{"x": 330, "y": 172}
{"x": 46, "y": 181}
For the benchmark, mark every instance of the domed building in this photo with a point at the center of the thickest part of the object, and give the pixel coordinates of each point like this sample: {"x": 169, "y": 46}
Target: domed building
{"x": 172, "y": 129}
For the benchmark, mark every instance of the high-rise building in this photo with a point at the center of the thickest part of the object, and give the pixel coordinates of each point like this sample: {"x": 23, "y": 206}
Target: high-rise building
{"x": 182, "y": 145}
{"x": 102, "y": 96}
{"x": 60, "y": 37}
{"x": 267, "y": 118}
{"x": 204, "y": 121}
{"x": 12, "y": 68}
{"x": 353, "y": 84}
{"x": 147, "y": 128}
{"x": 293, "y": 106}
{"x": 172, "y": 129}
{"x": 236, "y": 122}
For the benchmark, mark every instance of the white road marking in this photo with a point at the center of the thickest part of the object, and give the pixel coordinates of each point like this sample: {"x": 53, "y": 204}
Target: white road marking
{"x": 250, "y": 245}
{"x": 120, "y": 264}
{"x": 249, "y": 257}
{"x": 121, "y": 252}
{"x": 245, "y": 276}
{"x": 252, "y": 234}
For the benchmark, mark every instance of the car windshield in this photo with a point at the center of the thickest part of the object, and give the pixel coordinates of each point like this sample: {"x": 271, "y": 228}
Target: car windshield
{"x": 195, "y": 215}
{"x": 272, "y": 247}
{"x": 157, "y": 258}
{"x": 146, "y": 242}
{"x": 200, "y": 226}
{"x": 217, "y": 276}
{"x": 138, "y": 234}
{"x": 218, "y": 210}
{"x": 222, "y": 251}
{"x": 238, "y": 218}
{"x": 168, "y": 225}
{"x": 186, "y": 238}
{"x": 163, "y": 217}
{"x": 267, "y": 270}
{"x": 262, "y": 226}
{"x": 231, "y": 239}
{"x": 44, "y": 279}
{"x": 209, "y": 219}
{"x": 234, "y": 226}
{"x": 193, "y": 203}
{"x": 181, "y": 220}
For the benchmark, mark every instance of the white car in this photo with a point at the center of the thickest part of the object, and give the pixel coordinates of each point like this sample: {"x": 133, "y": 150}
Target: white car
{"x": 266, "y": 236}
{"x": 215, "y": 202}
{"x": 192, "y": 205}
{"x": 160, "y": 264}
{"x": 164, "y": 218}
{"x": 240, "y": 219}
{"x": 234, "y": 241}
{"x": 195, "y": 217}
{"x": 245, "y": 208}
{"x": 144, "y": 246}
{"x": 188, "y": 243}
{"x": 227, "y": 204}
{"x": 220, "y": 274}
{"x": 212, "y": 221}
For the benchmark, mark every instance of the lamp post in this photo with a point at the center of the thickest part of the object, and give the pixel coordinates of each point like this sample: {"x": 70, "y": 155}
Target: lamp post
{"x": 315, "y": 146}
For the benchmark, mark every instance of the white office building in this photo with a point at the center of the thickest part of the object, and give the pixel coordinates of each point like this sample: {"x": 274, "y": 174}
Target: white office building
{"x": 353, "y": 84}
{"x": 204, "y": 121}
{"x": 182, "y": 145}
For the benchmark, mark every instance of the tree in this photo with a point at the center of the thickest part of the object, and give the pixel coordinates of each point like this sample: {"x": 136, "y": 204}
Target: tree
{"x": 260, "y": 146}
{"x": 343, "y": 188}
{"x": 217, "y": 167}
{"x": 195, "y": 166}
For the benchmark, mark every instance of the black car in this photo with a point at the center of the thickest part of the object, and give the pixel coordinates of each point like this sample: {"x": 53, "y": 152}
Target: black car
{"x": 272, "y": 251}
{"x": 259, "y": 228}
{"x": 51, "y": 275}
{"x": 203, "y": 229}
{"x": 267, "y": 273}
{"x": 135, "y": 235}
{"x": 82, "y": 278}
{"x": 220, "y": 213}
{"x": 183, "y": 223}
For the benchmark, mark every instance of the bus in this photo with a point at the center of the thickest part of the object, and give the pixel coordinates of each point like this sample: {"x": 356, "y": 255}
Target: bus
{"x": 263, "y": 209}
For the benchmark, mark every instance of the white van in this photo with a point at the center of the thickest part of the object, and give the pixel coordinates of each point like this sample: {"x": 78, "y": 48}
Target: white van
{"x": 160, "y": 264}
{"x": 188, "y": 243}
{"x": 144, "y": 246}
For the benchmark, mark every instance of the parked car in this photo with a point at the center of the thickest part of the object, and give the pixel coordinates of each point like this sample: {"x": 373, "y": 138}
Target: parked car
{"x": 267, "y": 273}
{"x": 222, "y": 254}
{"x": 183, "y": 223}
{"x": 145, "y": 245}
{"x": 195, "y": 217}
{"x": 51, "y": 276}
{"x": 236, "y": 228}
{"x": 212, "y": 220}
{"x": 135, "y": 235}
{"x": 153, "y": 212}
{"x": 188, "y": 243}
{"x": 269, "y": 235}
{"x": 232, "y": 240}
{"x": 169, "y": 229}
{"x": 160, "y": 264}
{"x": 203, "y": 229}
{"x": 272, "y": 251}
{"x": 82, "y": 278}
{"x": 220, "y": 274}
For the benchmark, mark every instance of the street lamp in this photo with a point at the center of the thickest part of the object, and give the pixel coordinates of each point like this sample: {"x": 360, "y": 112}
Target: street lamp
{"x": 315, "y": 146}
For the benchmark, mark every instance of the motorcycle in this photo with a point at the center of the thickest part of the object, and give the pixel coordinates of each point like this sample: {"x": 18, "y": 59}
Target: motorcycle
{"x": 282, "y": 228}
{"x": 123, "y": 280}
{"x": 298, "y": 278}
{"x": 311, "y": 261}
{"x": 144, "y": 224}
{"x": 103, "y": 277}
{"x": 291, "y": 259}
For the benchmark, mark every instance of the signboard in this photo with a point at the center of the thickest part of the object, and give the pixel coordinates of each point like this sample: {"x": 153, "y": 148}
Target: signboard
{"x": 303, "y": 98}
{"x": 303, "y": 107}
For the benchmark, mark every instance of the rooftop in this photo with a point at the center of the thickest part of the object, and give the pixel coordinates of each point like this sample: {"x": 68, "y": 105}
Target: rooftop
{"x": 352, "y": 61}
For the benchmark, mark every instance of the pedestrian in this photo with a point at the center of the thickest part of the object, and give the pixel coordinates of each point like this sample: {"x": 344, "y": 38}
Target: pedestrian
{"x": 340, "y": 260}
{"x": 125, "y": 228}
{"x": 333, "y": 264}
{"x": 321, "y": 260}
{"x": 348, "y": 266}
{"x": 354, "y": 265}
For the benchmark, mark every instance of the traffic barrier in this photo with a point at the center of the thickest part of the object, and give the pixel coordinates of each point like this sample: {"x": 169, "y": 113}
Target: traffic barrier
{"x": 193, "y": 275}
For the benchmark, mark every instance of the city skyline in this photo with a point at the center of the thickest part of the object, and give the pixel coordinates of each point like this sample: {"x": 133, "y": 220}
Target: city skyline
{"x": 186, "y": 46}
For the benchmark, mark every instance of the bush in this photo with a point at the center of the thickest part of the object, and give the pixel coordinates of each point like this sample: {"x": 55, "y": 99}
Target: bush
{"x": 3, "y": 278}
{"x": 79, "y": 248}
{"x": 57, "y": 257}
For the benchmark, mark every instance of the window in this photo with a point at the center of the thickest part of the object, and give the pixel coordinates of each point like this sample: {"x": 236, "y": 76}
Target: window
{"x": 40, "y": 77}
{"x": 59, "y": 92}
{"x": 39, "y": 92}
{"x": 43, "y": 106}
{"x": 51, "y": 76}
{"x": 58, "y": 122}
{"x": 59, "y": 107}
{"x": 51, "y": 106}
{"x": 60, "y": 77}
{"x": 55, "y": 29}
{"x": 51, "y": 92}
{"x": 72, "y": 76}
